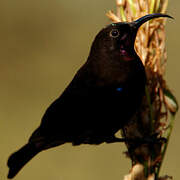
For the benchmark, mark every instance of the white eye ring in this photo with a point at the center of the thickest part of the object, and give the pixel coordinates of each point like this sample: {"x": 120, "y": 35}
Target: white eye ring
{"x": 114, "y": 33}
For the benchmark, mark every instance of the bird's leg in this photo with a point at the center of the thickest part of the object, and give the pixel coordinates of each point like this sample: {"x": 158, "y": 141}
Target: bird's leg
{"x": 145, "y": 140}
{"x": 114, "y": 139}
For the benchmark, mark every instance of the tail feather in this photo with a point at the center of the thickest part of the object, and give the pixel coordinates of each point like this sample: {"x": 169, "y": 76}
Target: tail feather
{"x": 18, "y": 159}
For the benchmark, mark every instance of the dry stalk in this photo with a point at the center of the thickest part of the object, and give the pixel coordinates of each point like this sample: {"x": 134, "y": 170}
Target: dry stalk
{"x": 159, "y": 106}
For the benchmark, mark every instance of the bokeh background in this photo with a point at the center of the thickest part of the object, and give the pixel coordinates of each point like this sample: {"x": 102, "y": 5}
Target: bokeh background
{"x": 42, "y": 45}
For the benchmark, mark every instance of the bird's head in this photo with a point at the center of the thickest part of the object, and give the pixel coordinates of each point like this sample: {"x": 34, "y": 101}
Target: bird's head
{"x": 118, "y": 38}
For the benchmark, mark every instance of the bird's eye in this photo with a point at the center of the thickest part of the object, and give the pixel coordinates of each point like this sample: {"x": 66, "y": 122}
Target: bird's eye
{"x": 114, "y": 33}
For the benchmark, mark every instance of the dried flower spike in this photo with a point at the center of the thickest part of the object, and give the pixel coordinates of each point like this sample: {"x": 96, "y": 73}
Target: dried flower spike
{"x": 159, "y": 105}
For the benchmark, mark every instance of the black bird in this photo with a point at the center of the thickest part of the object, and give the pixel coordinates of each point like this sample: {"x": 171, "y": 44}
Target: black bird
{"x": 102, "y": 97}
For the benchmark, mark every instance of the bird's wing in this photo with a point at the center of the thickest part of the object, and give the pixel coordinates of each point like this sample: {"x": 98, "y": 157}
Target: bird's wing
{"x": 83, "y": 106}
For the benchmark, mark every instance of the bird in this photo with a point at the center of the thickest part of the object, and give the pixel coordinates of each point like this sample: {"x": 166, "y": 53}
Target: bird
{"x": 100, "y": 100}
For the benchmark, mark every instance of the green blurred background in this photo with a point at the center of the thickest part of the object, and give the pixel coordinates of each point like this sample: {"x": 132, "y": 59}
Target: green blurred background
{"x": 42, "y": 45}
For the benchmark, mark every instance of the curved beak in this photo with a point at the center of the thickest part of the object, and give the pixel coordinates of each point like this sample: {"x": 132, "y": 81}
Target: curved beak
{"x": 137, "y": 23}
{"x": 142, "y": 20}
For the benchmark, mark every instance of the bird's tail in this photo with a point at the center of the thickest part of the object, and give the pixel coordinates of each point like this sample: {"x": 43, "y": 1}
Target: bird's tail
{"x": 18, "y": 159}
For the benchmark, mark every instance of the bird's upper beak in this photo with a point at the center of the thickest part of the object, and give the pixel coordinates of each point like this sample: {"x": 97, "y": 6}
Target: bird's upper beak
{"x": 137, "y": 23}
{"x": 148, "y": 17}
